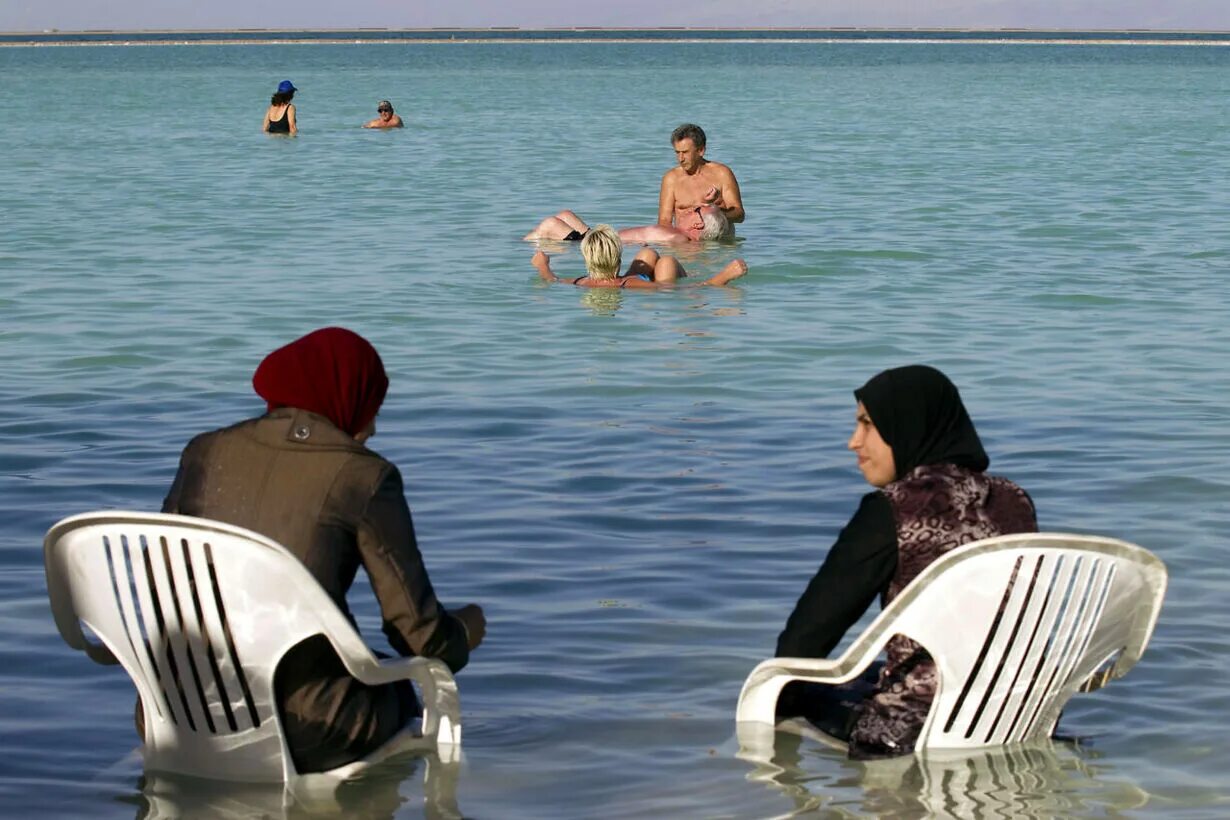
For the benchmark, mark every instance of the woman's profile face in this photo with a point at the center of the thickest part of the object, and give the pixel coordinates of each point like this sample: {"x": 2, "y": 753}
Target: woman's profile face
{"x": 875, "y": 457}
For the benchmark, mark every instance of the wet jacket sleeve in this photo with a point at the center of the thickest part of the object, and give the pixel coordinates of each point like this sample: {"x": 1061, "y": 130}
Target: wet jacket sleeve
{"x": 857, "y": 569}
{"x": 414, "y": 621}
{"x": 171, "y": 503}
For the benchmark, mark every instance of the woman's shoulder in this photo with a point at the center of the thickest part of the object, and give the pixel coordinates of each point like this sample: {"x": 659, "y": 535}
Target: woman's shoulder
{"x": 239, "y": 428}
{"x": 1014, "y": 502}
{"x": 371, "y": 468}
{"x": 874, "y": 513}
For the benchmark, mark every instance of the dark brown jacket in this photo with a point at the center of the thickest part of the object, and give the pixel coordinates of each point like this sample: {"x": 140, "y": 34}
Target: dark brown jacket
{"x": 295, "y": 478}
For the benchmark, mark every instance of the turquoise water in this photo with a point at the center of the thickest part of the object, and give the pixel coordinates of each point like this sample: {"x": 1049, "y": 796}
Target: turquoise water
{"x": 636, "y": 486}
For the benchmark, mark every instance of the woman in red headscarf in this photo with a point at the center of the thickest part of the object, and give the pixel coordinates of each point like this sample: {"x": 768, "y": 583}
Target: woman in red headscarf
{"x": 301, "y": 475}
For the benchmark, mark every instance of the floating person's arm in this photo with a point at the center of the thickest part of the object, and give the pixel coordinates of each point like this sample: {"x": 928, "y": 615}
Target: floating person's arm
{"x": 542, "y": 263}
{"x": 735, "y": 269}
{"x": 653, "y": 233}
{"x": 290, "y": 119}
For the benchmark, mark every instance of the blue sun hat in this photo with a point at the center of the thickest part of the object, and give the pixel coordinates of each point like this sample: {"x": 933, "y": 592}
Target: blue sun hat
{"x": 286, "y": 85}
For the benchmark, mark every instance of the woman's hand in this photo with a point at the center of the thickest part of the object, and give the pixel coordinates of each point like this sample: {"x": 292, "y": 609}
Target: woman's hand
{"x": 474, "y": 621}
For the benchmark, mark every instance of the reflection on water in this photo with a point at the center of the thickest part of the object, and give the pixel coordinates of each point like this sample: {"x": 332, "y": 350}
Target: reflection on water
{"x": 602, "y": 301}
{"x": 1042, "y": 779}
{"x": 379, "y": 794}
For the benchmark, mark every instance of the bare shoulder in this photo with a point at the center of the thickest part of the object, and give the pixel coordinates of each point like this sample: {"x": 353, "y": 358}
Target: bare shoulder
{"x": 720, "y": 169}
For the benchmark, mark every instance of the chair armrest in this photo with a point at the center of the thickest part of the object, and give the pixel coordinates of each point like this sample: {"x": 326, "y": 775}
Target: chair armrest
{"x": 441, "y": 702}
{"x": 391, "y": 670}
{"x": 758, "y": 700}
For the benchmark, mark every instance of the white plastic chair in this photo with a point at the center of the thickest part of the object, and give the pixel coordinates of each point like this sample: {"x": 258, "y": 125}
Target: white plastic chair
{"x": 1016, "y": 625}
{"x": 199, "y": 614}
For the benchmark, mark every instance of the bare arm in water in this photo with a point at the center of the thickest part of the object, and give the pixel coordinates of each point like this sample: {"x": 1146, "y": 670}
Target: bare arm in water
{"x": 664, "y": 270}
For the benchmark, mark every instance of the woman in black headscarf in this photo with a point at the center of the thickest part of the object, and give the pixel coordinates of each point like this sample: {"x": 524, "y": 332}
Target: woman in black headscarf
{"x": 917, "y": 446}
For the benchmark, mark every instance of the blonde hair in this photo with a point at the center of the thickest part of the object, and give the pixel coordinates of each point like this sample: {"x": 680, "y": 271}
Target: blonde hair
{"x": 602, "y": 251}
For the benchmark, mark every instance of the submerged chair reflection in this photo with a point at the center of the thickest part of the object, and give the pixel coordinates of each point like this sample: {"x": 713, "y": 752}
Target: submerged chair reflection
{"x": 1039, "y": 779}
{"x": 1016, "y": 625}
{"x": 374, "y": 796}
{"x": 199, "y": 614}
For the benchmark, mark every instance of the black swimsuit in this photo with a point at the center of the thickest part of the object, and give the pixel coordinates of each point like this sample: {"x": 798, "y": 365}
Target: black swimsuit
{"x": 281, "y": 126}
{"x": 623, "y": 280}
{"x": 574, "y": 235}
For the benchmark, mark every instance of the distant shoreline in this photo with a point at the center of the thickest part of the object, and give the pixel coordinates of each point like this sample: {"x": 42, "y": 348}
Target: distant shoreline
{"x": 587, "y": 34}
{"x": 920, "y": 29}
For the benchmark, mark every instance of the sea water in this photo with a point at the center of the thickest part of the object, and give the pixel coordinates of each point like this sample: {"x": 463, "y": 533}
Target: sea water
{"x": 636, "y": 486}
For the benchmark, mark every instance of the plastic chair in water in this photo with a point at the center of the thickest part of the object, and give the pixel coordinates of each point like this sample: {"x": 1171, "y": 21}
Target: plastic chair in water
{"x": 1016, "y": 625}
{"x": 199, "y": 614}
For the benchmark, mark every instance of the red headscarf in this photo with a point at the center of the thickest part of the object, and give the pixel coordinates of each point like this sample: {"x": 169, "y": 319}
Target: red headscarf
{"x": 332, "y": 372}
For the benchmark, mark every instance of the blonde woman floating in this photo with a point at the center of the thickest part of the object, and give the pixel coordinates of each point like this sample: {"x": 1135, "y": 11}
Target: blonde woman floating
{"x": 603, "y": 252}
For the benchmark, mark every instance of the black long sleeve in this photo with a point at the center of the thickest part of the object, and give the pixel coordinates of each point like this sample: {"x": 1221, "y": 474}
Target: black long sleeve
{"x": 856, "y": 570}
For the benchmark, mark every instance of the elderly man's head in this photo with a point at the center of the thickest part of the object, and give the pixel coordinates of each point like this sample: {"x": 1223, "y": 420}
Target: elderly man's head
{"x": 704, "y": 222}
{"x": 717, "y": 226}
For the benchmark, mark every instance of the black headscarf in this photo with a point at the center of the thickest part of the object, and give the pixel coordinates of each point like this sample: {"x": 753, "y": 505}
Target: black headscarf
{"x": 919, "y": 414}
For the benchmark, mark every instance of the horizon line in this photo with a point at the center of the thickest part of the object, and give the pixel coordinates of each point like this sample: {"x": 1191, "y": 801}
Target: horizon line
{"x": 413, "y": 29}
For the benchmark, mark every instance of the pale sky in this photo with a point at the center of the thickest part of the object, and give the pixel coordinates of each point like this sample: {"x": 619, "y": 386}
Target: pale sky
{"x": 66, "y": 15}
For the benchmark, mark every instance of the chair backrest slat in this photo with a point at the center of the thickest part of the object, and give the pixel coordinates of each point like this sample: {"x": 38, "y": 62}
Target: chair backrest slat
{"x": 1099, "y": 593}
{"x": 153, "y": 627}
{"x": 1056, "y": 575}
{"x": 1016, "y": 594}
{"x": 1071, "y": 586}
{"x": 1025, "y": 634}
{"x": 1074, "y": 631}
{"x": 185, "y": 637}
{"x": 228, "y": 639}
{"x": 216, "y": 691}
{"x": 980, "y": 663}
{"x": 171, "y": 646}
{"x": 124, "y": 583}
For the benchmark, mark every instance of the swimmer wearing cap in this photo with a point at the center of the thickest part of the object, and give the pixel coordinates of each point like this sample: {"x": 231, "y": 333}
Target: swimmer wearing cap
{"x": 280, "y": 118}
{"x": 385, "y": 118}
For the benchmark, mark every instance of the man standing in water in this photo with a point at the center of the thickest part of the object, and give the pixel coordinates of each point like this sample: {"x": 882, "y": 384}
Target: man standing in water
{"x": 696, "y": 181}
{"x": 385, "y": 118}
